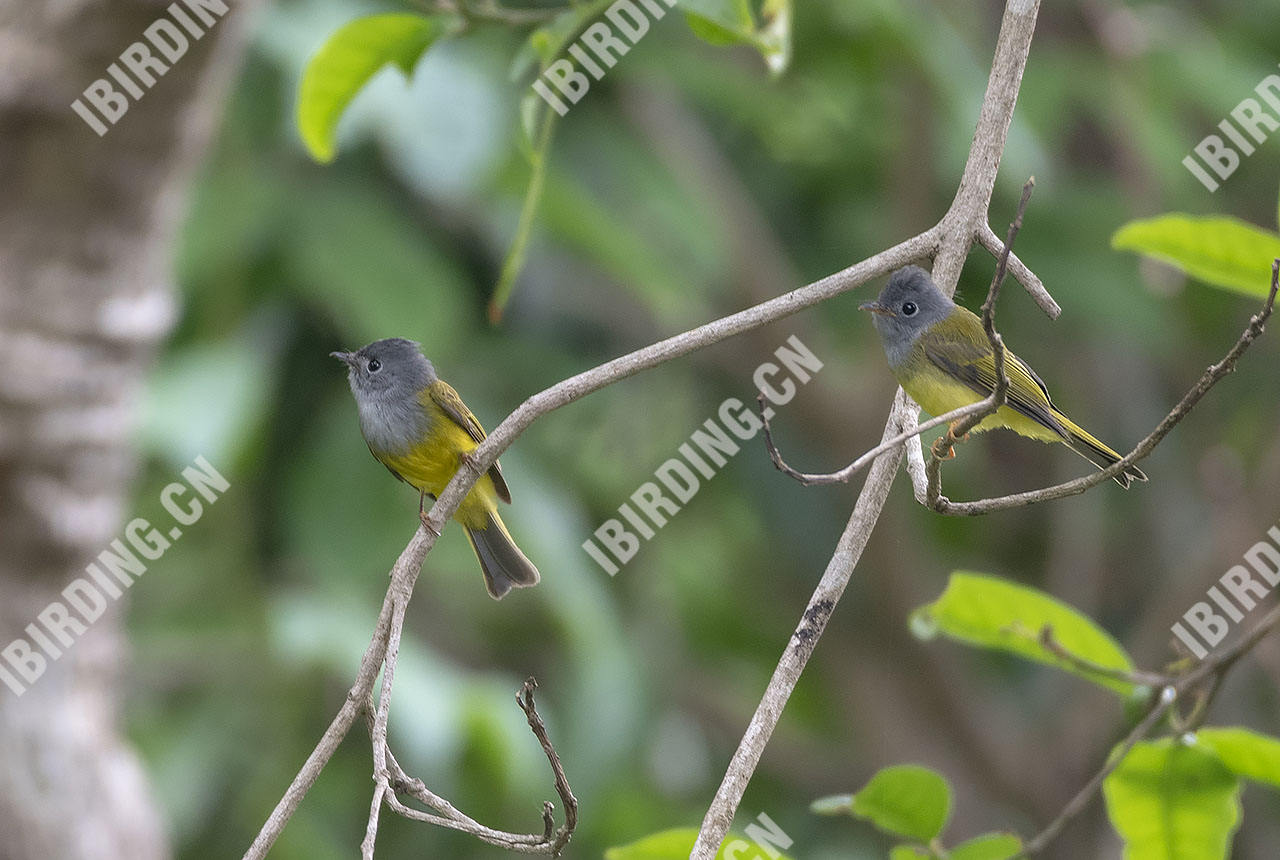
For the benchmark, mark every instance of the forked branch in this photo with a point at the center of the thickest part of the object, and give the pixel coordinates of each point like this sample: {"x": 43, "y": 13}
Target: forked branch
{"x": 1211, "y": 377}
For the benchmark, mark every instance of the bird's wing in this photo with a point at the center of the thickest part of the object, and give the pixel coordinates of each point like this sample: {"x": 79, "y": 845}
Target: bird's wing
{"x": 975, "y": 366}
{"x": 446, "y": 398}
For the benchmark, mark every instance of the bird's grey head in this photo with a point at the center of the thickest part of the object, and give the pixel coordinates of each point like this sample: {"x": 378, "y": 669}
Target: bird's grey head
{"x": 393, "y": 367}
{"x": 908, "y": 304}
{"x": 386, "y": 377}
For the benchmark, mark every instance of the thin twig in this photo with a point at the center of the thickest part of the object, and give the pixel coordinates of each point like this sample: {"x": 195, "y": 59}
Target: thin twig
{"x": 551, "y": 841}
{"x": 1023, "y": 275}
{"x": 381, "y": 777}
{"x": 1211, "y": 377}
{"x": 525, "y": 700}
{"x": 1168, "y": 696}
{"x": 944, "y": 448}
{"x": 842, "y": 476}
{"x": 1137, "y": 677}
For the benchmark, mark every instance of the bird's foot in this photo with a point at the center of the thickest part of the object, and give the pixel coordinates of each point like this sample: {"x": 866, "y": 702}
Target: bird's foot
{"x": 944, "y": 448}
{"x": 427, "y": 524}
{"x": 466, "y": 459}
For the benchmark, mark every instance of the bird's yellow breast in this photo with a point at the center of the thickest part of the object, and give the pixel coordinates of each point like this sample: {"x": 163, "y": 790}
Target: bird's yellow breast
{"x": 430, "y": 464}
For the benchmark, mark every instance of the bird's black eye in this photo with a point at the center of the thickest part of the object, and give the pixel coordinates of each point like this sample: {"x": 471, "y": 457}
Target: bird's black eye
{"x": 374, "y": 365}
{"x": 909, "y": 309}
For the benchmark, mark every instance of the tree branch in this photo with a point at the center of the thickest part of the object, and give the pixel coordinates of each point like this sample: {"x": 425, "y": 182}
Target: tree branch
{"x": 1212, "y": 669}
{"x": 1211, "y": 377}
{"x": 1137, "y": 677}
{"x": 955, "y": 234}
{"x": 944, "y": 448}
{"x": 962, "y": 419}
{"x": 948, "y": 243}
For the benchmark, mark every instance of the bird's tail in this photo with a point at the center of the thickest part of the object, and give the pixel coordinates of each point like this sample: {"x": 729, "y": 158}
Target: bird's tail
{"x": 1080, "y": 441}
{"x": 505, "y": 566}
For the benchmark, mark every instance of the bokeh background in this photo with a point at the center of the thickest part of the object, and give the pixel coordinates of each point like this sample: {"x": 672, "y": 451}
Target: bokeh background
{"x": 687, "y": 185}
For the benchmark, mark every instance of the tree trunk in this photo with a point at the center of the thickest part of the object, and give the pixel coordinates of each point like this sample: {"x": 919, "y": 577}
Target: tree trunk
{"x": 86, "y": 228}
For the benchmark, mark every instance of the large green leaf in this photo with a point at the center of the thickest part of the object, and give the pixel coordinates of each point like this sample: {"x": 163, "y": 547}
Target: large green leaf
{"x": 677, "y": 844}
{"x": 1221, "y": 251}
{"x": 990, "y": 846}
{"x": 989, "y": 612}
{"x": 905, "y": 800}
{"x": 346, "y": 62}
{"x": 1246, "y": 753}
{"x": 1171, "y": 801}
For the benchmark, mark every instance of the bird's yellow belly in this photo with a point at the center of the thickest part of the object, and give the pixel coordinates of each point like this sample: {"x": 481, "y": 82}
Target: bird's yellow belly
{"x": 937, "y": 393}
{"x": 431, "y": 464}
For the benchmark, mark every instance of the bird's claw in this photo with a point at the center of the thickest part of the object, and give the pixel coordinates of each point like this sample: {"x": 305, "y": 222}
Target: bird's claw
{"x": 427, "y": 524}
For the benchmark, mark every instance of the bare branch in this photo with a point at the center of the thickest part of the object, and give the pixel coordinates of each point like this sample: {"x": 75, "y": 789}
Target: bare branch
{"x": 389, "y": 777}
{"x": 551, "y": 841}
{"x": 842, "y": 476}
{"x": 954, "y": 235}
{"x": 812, "y": 623}
{"x": 1138, "y": 677}
{"x": 1023, "y": 275}
{"x": 562, "y": 782}
{"x": 1211, "y": 377}
{"x": 381, "y": 777}
{"x": 944, "y": 448}
{"x": 406, "y": 567}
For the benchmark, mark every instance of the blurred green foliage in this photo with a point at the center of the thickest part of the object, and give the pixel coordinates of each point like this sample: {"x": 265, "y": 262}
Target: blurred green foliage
{"x": 687, "y": 184}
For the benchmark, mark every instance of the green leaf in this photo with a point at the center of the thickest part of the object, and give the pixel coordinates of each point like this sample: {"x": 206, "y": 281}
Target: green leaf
{"x": 720, "y": 22}
{"x": 989, "y": 846}
{"x": 991, "y": 613}
{"x": 677, "y": 844}
{"x": 346, "y": 62}
{"x": 1221, "y": 251}
{"x": 1246, "y": 753}
{"x": 1170, "y": 801}
{"x": 905, "y": 800}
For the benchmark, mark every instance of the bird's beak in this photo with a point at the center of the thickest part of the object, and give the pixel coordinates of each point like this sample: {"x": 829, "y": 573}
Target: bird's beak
{"x": 344, "y": 357}
{"x": 876, "y": 308}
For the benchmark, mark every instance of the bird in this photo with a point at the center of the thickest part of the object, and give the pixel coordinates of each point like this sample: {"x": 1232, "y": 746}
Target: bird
{"x": 941, "y": 356}
{"x": 417, "y": 426}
